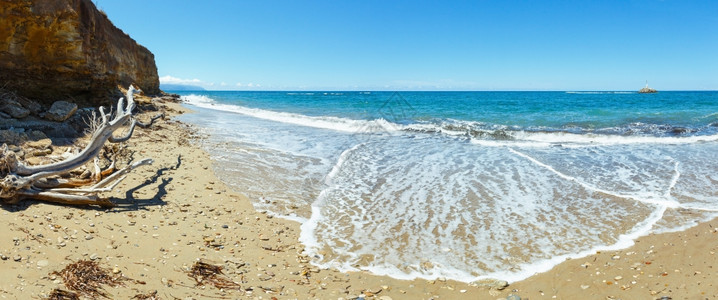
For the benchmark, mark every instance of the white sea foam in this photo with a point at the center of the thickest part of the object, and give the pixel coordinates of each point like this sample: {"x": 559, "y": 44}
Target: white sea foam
{"x": 666, "y": 201}
{"x": 462, "y": 206}
{"x": 487, "y": 137}
{"x": 421, "y": 197}
{"x": 554, "y": 138}
{"x": 324, "y": 122}
{"x": 624, "y": 241}
{"x": 198, "y": 100}
{"x": 571, "y": 140}
{"x": 500, "y": 136}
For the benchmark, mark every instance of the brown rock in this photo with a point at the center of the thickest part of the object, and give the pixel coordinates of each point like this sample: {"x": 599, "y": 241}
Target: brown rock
{"x": 647, "y": 90}
{"x": 61, "y": 111}
{"x": 39, "y": 144}
{"x": 53, "y": 49}
{"x": 36, "y": 160}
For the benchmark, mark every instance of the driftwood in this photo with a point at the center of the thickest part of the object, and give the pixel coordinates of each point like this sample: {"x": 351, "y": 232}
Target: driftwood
{"x": 45, "y": 182}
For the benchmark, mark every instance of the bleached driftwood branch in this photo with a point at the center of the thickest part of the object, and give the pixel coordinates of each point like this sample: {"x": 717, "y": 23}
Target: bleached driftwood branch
{"x": 42, "y": 183}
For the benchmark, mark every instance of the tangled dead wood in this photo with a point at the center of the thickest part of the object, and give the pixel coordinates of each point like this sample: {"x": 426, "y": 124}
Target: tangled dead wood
{"x": 47, "y": 182}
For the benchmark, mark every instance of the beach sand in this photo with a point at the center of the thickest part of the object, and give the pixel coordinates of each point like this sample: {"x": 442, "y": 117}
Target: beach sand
{"x": 176, "y": 212}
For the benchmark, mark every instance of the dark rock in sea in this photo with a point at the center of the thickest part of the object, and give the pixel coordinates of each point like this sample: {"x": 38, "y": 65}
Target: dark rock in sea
{"x": 68, "y": 49}
{"x": 61, "y": 111}
{"x": 681, "y": 130}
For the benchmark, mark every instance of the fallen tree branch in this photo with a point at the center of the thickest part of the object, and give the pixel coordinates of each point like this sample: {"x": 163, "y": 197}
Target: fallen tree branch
{"x": 41, "y": 182}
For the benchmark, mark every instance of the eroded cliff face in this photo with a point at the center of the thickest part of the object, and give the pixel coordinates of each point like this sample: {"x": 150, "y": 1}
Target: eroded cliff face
{"x": 66, "y": 49}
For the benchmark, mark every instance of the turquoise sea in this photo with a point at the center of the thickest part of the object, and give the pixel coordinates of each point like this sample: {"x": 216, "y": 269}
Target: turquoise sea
{"x": 466, "y": 185}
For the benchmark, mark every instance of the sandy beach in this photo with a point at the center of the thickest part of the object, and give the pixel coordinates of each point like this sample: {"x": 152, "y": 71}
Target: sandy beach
{"x": 176, "y": 212}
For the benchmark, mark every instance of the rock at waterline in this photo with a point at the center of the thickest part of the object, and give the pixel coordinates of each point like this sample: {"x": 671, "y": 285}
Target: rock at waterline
{"x": 647, "y": 90}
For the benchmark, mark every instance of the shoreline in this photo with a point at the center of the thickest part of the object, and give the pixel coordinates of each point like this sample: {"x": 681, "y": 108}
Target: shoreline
{"x": 177, "y": 211}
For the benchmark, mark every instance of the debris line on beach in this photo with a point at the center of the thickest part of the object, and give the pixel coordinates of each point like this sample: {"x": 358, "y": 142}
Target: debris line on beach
{"x": 203, "y": 273}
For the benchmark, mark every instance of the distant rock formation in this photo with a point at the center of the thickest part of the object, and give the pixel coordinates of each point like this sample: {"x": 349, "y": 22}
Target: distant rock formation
{"x": 68, "y": 50}
{"x": 647, "y": 90}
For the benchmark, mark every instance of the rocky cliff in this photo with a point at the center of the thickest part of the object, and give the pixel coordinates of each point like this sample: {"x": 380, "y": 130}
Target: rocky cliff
{"x": 67, "y": 49}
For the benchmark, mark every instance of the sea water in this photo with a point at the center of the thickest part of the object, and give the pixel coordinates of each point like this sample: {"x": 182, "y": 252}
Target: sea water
{"x": 466, "y": 185}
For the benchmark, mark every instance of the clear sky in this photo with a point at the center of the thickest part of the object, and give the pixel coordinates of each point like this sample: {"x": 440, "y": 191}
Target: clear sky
{"x": 427, "y": 45}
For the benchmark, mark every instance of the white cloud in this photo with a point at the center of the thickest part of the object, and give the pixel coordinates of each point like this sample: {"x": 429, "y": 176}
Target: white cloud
{"x": 221, "y": 85}
{"x": 174, "y": 80}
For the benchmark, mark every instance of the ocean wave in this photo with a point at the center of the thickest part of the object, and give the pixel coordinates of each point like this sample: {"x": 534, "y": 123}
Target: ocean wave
{"x": 498, "y": 135}
{"x": 324, "y": 122}
{"x": 198, "y": 100}
{"x": 483, "y": 133}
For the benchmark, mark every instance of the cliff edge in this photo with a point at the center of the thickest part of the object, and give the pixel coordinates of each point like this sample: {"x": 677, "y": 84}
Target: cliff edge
{"x": 67, "y": 49}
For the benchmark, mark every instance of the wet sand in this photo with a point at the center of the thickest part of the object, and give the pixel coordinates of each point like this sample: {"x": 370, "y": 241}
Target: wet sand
{"x": 176, "y": 212}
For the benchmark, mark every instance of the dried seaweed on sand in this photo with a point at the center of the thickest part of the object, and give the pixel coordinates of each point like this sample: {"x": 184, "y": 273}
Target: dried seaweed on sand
{"x": 148, "y": 296}
{"x": 203, "y": 273}
{"x": 87, "y": 277}
{"x": 58, "y": 294}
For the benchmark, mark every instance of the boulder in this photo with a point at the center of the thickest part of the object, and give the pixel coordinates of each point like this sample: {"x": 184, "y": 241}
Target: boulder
{"x": 12, "y": 136}
{"x": 61, "y": 111}
{"x": 39, "y": 144}
{"x": 36, "y": 135}
{"x": 52, "y": 49}
{"x": 13, "y": 109}
{"x": 34, "y": 107}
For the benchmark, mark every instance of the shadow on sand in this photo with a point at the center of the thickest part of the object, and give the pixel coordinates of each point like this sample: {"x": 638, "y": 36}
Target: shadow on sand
{"x": 128, "y": 203}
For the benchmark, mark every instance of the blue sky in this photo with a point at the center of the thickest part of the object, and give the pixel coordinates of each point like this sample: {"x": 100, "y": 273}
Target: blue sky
{"x": 427, "y": 45}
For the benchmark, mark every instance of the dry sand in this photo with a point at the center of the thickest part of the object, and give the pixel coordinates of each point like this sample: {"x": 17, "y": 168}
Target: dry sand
{"x": 176, "y": 212}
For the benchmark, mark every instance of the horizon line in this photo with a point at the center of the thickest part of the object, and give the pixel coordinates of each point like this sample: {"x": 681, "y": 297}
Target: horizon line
{"x": 507, "y": 90}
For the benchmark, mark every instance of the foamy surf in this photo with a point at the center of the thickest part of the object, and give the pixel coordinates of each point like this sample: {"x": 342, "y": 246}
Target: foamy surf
{"x": 462, "y": 199}
{"x": 333, "y": 123}
{"x": 501, "y": 136}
